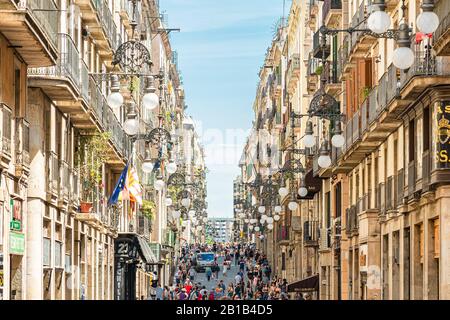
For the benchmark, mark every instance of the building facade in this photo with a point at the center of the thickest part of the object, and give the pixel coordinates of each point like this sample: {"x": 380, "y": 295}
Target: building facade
{"x": 374, "y": 225}
{"x": 63, "y": 150}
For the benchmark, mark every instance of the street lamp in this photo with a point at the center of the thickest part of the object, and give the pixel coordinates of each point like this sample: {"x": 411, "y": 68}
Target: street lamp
{"x": 131, "y": 125}
{"x": 115, "y": 98}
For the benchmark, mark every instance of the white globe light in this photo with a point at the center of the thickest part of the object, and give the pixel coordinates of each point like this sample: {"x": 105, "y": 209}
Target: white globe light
{"x": 261, "y": 209}
{"x": 172, "y": 167}
{"x": 253, "y": 221}
{"x": 379, "y": 21}
{"x": 278, "y": 209}
{"x": 324, "y": 161}
{"x": 283, "y": 192}
{"x": 150, "y": 101}
{"x": 185, "y": 202}
{"x": 147, "y": 167}
{"x": 176, "y": 214}
{"x": 276, "y": 217}
{"x": 115, "y": 100}
{"x": 302, "y": 192}
{"x": 338, "y": 140}
{"x": 309, "y": 141}
{"x": 184, "y": 223}
{"x": 403, "y": 58}
{"x": 270, "y": 226}
{"x": 168, "y": 202}
{"x": 293, "y": 205}
{"x": 261, "y": 237}
{"x": 427, "y": 22}
{"x": 159, "y": 185}
{"x": 269, "y": 220}
{"x": 264, "y": 217}
{"x": 250, "y": 227}
{"x": 246, "y": 220}
{"x": 262, "y": 221}
{"x": 199, "y": 228}
{"x": 131, "y": 127}
{"x": 257, "y": 229}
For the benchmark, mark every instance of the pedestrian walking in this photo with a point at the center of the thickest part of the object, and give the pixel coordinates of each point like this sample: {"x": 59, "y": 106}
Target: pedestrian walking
{"x": 208, "y": 273}
{"x": 192, "y": 273}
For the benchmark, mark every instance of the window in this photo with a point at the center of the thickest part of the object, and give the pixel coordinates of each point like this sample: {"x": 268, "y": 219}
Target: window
{"x": 47, "y": 252}
{"x": 421, "y": 243}
{"x": 411, "y": 143}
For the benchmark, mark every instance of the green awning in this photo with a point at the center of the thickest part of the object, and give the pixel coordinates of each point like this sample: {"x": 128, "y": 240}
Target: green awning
{"x": 146, "y": 252}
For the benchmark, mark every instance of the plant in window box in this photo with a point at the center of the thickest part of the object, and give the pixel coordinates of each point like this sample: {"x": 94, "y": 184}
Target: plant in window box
{"x": 93, "y": 152}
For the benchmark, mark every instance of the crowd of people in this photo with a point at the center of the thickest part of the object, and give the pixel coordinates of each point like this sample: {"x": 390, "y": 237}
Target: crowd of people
{"x": 252, "y": 278}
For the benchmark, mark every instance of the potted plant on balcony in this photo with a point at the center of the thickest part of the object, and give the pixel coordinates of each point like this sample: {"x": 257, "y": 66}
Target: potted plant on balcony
{"x": 148, "y": 209}
{"x": 93, "y": 152}
{"x": 319, "y": 70}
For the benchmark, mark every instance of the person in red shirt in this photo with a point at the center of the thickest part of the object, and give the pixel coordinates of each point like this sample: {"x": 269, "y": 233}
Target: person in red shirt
{"x": 188, "y": 286}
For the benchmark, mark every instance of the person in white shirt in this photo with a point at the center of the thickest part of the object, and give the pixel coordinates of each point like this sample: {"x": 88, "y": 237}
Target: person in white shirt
{"x": 237, "y": 279}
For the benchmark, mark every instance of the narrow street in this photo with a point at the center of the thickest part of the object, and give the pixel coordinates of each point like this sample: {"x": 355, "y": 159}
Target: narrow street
{"x": 310, "y": 138}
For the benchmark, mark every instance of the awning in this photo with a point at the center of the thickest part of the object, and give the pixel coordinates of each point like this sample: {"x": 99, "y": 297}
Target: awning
{"x": 306, "y": 285}
{"x": 146, "y": 251}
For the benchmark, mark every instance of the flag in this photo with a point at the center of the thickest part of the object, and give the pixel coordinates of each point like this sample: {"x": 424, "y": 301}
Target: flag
{"x": 119, "y": 187}
{"x": 134, "y": 187}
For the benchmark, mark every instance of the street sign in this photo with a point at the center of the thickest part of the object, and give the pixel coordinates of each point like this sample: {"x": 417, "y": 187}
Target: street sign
{"x": 15, "y": 225}
{"x": 16, "y": 243}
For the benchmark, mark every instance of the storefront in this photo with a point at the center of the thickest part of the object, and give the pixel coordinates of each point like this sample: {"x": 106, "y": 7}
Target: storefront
{"x": 132, "y": 255}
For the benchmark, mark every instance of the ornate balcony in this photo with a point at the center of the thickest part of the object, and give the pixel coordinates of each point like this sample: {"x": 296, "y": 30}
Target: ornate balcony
{"x": 6, "y": 135}
{"x": 441, "y": 37}
{"x": 31, "y": 28}
{"x": 283, "y": 238}
{"x": 293, "y": 72}
{"x": 61, "y": 82}
{"x": 101, "y": 25}
{"x": 311, "y": 233}
{"x": 320, "y": 51}
{"x": 331, "y": 12}
{"x": 312, "y": 74}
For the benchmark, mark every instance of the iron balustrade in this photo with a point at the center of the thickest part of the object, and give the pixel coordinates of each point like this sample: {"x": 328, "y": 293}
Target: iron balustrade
{"x": 389, "y": 193}
{"x": 356, "y": 134}
{"x": 64, "y": 179}
{"x": 46, "y": 14}
{"x": 400, "y": 186}
{"x": 411, "y": 177}
{"x": 311, "y": 233}
{"x": 7, "y": 131}
{"x": 67, "y": 65}
{"x": 320, "y": 50}
{"x": 372, "y": 105}
{"x": 364, "y": 115}
{"x": 444, "y": 23}
{"x": 84, "y": 74}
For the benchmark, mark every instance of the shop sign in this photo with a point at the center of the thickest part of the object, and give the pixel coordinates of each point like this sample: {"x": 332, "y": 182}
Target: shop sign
{"x": 15, "y": 225}
{"x": 16, "y": 243}
{"x": 443, "y": 136}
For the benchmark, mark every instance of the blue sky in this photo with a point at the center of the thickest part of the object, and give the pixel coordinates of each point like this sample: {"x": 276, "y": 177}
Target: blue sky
{"x": 221, "y": 48}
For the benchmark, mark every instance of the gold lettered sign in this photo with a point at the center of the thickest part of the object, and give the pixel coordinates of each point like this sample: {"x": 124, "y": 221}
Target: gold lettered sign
{"x": 443, "y": 136}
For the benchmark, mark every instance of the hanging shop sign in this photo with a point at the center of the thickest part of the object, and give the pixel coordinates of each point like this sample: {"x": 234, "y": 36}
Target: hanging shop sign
{"x": 16, "y": 243}
{"x": 443, "y": 135}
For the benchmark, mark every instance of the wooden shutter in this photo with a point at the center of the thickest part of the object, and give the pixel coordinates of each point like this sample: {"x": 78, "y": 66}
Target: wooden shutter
{"x": 421, "y": 243}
